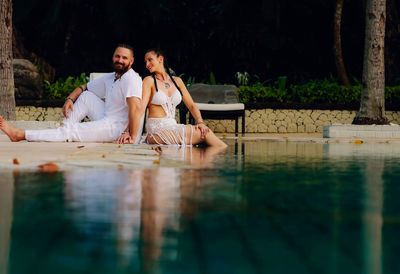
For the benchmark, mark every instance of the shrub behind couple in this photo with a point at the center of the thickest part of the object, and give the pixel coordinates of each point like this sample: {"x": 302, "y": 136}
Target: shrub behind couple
{"x": 120, "y": 116}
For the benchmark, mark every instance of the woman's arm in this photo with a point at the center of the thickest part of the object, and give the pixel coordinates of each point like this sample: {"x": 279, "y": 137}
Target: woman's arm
{"x": 188, "y": 100}
{"x": 192, "y": 107}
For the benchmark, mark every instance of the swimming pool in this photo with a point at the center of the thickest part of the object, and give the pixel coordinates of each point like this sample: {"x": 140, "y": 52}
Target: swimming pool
{"x": 260, "y": 207}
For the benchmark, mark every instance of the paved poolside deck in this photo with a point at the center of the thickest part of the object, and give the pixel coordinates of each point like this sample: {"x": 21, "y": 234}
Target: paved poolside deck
{"x": 25, "y": 155}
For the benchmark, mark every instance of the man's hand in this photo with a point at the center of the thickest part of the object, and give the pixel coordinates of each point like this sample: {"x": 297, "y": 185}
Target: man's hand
{"x": 68, "y": 105}
{"x": 203, "y": 130}
{"x": 125, "y": 138}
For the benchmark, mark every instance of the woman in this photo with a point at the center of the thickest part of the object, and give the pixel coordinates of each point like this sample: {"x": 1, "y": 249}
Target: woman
{"x": 162, "y": 92}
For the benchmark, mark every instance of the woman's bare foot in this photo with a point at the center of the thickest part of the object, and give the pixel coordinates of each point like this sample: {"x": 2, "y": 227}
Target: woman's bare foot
{"x": 15, "y": 134}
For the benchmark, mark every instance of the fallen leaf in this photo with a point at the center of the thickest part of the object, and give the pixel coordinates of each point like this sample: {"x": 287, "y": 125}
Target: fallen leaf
{"x": 158, "y": 150}
{"x": 358, "y": 141}
{"x": 156, "y": 162}
{"x": 49, "y": 167}
{"x": 15, "y": 161}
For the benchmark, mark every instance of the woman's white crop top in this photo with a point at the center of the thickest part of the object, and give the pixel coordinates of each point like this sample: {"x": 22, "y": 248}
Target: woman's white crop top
{"x": 168, "y": 103}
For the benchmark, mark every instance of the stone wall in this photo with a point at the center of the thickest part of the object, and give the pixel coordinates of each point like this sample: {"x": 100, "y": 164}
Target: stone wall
{"x": 291, "y": 121}
{"x": 257, "y": 121}
{"x": 39, "y": 114}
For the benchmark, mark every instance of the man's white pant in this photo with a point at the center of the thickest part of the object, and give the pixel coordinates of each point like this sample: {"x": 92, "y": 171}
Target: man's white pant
{"x": 100, "y": 129}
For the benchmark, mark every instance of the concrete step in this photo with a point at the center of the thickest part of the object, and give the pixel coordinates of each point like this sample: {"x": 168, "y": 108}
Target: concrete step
{"x": 391, "y": 131}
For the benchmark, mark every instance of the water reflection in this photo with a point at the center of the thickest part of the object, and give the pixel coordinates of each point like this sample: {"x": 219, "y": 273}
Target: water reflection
{"x": 296, "y": 207}
{"x": 375, "y": 155}
{"x": 372, "y": 216}
{"x": 274, "y": 152}
{"x": 6, "y": 207}
{"x": 142, "y": 207}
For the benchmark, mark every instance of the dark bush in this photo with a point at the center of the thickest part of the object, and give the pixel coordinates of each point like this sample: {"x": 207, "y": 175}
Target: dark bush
{"x": 326, "y": 91}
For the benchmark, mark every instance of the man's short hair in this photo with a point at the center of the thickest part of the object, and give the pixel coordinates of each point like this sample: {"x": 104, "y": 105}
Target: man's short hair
{"x": 126, "y": 46}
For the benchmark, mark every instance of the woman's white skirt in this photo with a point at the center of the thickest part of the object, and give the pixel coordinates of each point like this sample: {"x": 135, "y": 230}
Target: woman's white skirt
{"x": 166, "y": 131}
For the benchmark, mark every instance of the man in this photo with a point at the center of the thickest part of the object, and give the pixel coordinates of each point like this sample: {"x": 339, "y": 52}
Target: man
{"x": 114, "y": 119}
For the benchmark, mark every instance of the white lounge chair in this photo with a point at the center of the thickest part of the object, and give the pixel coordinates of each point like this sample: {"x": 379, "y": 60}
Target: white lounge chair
{"x": 218, "y": 102}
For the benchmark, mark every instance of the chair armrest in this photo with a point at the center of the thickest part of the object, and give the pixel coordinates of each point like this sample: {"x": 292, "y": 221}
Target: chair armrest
{"x": 95, "y": 75}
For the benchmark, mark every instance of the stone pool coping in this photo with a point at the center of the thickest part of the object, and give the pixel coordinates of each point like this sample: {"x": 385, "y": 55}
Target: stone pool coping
{"x": 64, "y": 156}
{"x": 25, "y": 155}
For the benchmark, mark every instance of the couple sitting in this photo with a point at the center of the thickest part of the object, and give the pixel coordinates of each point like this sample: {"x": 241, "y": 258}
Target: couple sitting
{"x": 120, "y": 117}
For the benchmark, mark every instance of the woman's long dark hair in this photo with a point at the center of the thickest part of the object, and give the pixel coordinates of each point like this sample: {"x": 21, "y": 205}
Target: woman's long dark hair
{"x": 159, "y": 53}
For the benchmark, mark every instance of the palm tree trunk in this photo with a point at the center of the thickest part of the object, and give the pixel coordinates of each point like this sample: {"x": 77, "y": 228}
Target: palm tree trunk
{"x": 337, "y": 44}
{"x": 7, "y": 100}
{"x": 372, "y": 105}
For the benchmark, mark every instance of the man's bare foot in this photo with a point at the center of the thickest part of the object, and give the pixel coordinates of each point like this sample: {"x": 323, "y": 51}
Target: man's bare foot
{"x": 15, "y": 134}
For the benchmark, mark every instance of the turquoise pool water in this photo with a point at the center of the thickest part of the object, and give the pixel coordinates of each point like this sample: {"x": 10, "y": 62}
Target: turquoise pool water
{"x": 260, "y": 207}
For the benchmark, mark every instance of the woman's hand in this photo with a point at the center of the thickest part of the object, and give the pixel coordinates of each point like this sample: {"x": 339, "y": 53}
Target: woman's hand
{"x": 68, "y": 105}
{"x": 125, "y": 138}
{"x": 204, "y": 130}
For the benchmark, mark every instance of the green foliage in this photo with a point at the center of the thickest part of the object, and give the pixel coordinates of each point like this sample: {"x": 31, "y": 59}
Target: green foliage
{"x": 392, "y": 95}
{"x": 242, "y": 78}
{"x": 189, "y": 80}
{"x": 259, "y": 94}
{"x": 281, "y": 83}
{"x": 62, "y": 88}
{"x": 212, "y": 80}
{"x": 324, "y": 91}
{"x": 327, "y": 91}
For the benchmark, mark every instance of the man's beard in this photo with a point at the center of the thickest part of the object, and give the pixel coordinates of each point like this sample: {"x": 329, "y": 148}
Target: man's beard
{"x": 120, "y": 69}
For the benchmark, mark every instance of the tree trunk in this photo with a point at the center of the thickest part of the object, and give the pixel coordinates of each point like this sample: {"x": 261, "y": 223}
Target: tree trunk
{"x": 7, "y": 100}
{"x": 337, "y": 44}
{"x": 372, "y": 105}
